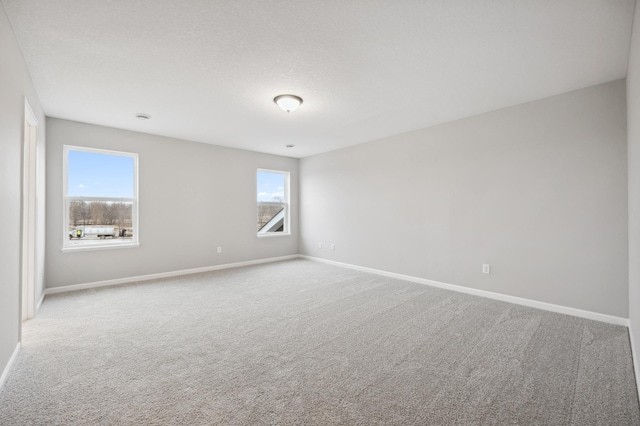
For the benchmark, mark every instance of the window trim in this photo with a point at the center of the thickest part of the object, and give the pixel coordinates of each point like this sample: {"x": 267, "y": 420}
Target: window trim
{"x": 286, "y": 232}
{"x": 135, "y": 201}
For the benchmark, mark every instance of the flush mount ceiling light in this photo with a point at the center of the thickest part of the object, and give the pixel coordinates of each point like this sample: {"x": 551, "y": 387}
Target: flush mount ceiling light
{"x": 143, "y": 117}
{"x": 288, "y": 102}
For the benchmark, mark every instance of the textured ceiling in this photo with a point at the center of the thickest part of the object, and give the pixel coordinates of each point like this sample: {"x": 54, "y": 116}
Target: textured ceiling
{"x": 208, "y": 70}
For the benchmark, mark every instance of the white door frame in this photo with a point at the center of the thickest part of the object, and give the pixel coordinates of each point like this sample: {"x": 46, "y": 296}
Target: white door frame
{"x": 29, "y": 213}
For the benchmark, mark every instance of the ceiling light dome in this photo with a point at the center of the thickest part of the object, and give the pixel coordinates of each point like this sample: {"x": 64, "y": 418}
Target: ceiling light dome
{"x": 288, "y": 102}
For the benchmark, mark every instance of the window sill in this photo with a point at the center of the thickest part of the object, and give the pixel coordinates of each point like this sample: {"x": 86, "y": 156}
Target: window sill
{"x": 100, "y": 247}
{"x": 275, "y": 234}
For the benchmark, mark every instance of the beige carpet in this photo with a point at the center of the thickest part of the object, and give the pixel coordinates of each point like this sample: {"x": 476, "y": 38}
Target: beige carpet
{"x": 299, "y": 342}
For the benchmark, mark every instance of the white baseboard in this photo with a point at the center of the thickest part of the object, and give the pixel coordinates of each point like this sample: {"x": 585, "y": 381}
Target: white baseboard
{"x": 476, "y": 292}
{"x": 634, "y": 357}
{"x": 7, "y": 368}
{"x": 75, "y": 287}
{"x": 483, "y": 293}
{"x": 44, "y": 293}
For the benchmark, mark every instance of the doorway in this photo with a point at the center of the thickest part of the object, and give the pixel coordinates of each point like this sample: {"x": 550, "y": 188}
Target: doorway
{"x": 29, "y": 209}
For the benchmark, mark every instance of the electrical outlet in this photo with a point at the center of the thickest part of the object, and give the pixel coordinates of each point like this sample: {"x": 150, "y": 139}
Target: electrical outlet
{"x": 486, "y": 268}
{"x": 219, "y": 249}
{"x": 333, "y": 247}
{"x": 320, "y": 245}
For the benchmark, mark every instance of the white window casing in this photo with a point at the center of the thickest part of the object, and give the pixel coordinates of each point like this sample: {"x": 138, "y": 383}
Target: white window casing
{"x": 99, "y": 236}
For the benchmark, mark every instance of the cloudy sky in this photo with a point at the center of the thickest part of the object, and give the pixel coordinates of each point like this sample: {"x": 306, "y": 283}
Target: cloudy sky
{"x": 99, "y": 175}
{"x": 270, "y": 186}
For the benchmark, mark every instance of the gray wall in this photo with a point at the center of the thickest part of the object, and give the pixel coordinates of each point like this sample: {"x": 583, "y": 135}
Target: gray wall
{"x": 633, "y": 128}
{"x": 193, "y": 197}
{"x": 15, "y": 85}
{"x": 539, "y": 191}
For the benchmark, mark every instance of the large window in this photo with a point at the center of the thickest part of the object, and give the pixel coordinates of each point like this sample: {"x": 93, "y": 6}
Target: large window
{"x": 273, "y": 202}
{"x": 100, "y": 198}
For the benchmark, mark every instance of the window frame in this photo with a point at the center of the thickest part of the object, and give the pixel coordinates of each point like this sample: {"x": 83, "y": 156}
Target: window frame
{"x": 286, "y": 231}
{"x": 66, "y": 201}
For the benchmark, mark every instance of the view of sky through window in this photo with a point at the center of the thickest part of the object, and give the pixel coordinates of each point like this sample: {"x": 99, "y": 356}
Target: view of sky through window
{"x": 100, "y": 175}
{"x": 270, "y": 186}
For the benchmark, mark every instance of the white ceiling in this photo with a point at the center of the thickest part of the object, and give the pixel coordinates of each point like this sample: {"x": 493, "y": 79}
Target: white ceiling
{"x": 208, "y": 70}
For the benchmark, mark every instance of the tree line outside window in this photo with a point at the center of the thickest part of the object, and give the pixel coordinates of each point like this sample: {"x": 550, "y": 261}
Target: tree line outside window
{"x": 100, "y": 213}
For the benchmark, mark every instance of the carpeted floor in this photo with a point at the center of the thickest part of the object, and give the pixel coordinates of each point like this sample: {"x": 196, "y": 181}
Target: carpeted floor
{"x": 299, "y": 342}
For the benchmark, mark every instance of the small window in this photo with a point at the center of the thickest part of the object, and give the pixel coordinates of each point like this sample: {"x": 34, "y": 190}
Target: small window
{"x": 273, "y": 202}
{"x": 100, "y": 198}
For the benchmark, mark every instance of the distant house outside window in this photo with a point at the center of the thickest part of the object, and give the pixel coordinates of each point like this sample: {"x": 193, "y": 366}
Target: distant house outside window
{"x": 100, "y": 198}
{"x": 273, "y": 202}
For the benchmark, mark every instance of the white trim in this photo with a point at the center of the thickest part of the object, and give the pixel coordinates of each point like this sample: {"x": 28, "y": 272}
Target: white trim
{"x": 99, "y": 150}
{"x": 30, "y": 117}
{"x": 29, "y": 225}
{"x": 107, "y": 246}
{"x": 5, "y": 373}
{"x": 116, "y": 199}
{"x": 74, "y": 287}
{"x": 634, "y": 358}
{"x": 460, "y": 289}
{"x": 44, "y": 293}
{"x": 274, "y": 234}
{"x": 287, "y": 200}
{"x": 135, "y": 201}
{"x": 483, "y": 293}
